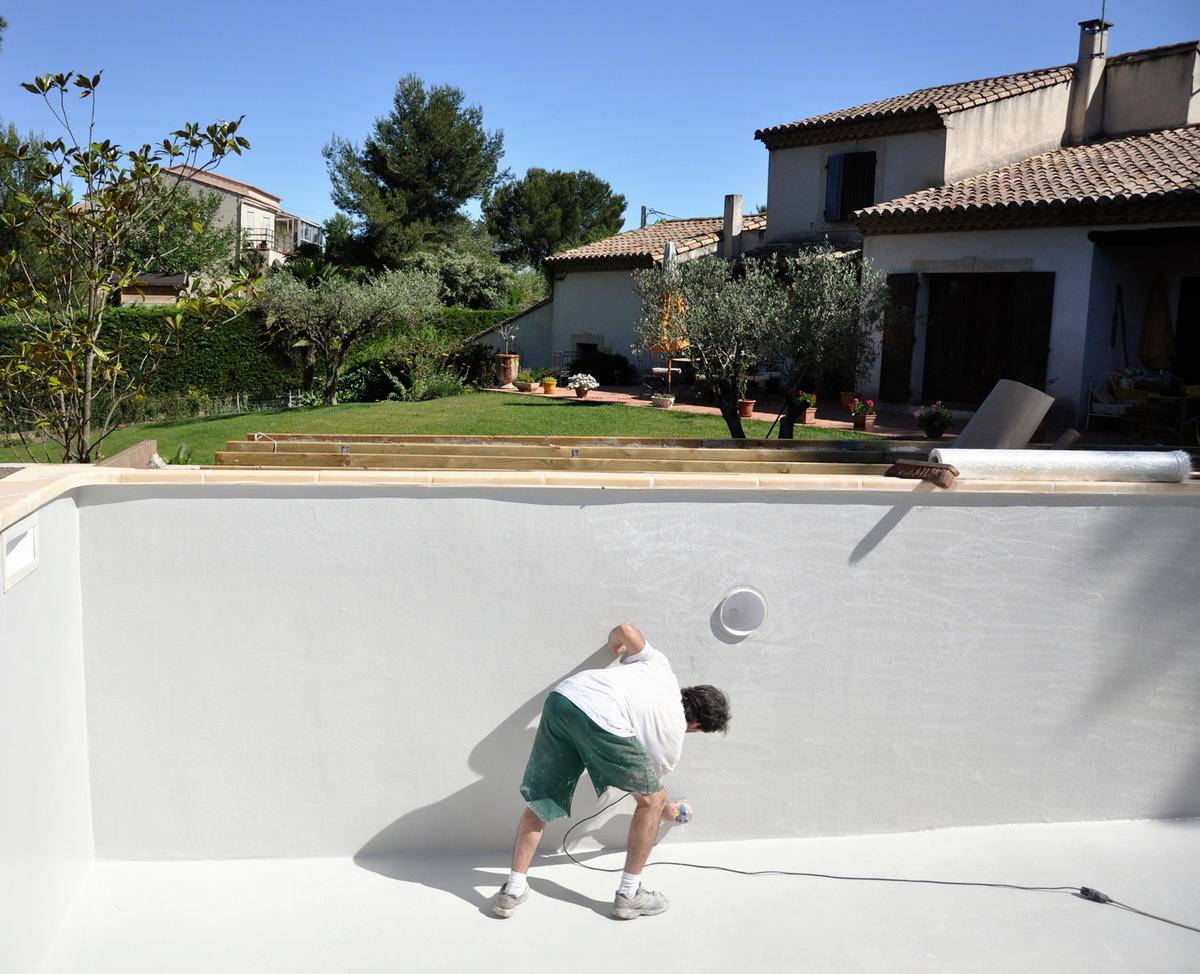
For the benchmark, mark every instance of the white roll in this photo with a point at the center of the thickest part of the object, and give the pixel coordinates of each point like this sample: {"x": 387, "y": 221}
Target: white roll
{"x": 1068, "y": 465}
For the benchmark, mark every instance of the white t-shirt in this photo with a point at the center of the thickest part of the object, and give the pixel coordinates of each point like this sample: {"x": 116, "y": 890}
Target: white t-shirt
{"x": 635, "y": 697}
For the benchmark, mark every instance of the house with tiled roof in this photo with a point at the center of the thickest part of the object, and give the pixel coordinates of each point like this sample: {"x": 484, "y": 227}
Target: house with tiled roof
{"x": 263, "y": 228}
{"x": 1017, "y": 218}
{"x": 594, "y": 305}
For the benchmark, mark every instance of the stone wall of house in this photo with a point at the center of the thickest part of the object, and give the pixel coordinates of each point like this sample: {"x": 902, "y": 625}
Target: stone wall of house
{"x": 796, "y": 179}
{"x": 1000, "y": 132}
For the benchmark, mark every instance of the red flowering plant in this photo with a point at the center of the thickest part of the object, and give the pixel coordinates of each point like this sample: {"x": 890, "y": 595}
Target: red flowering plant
{"x": 937, "y": 415}
{"x": 861, "y": 407}
{"x": 807, "y": 399}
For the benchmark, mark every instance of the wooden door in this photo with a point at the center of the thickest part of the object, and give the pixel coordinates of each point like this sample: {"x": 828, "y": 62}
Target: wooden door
{"x": 983, "y": 328}
{"x": 895, "y": 367}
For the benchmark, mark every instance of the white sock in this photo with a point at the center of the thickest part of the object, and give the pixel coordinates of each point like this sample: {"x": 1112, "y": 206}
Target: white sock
{"x": 630, "y": 883}
{"x": 516, "y": 884}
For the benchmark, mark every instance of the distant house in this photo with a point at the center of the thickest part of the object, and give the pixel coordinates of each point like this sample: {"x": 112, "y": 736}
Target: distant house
{"x": 1015, "y": 217}
{"x": 263, "y": 226}
{"x": 594, "y": 305}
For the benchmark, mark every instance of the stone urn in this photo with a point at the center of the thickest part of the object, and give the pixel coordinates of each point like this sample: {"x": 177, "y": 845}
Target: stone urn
{"x": 507, "y": 367}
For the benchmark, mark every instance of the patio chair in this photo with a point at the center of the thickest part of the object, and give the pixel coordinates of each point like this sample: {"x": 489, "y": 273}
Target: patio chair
{"x": 1103, "y": 401}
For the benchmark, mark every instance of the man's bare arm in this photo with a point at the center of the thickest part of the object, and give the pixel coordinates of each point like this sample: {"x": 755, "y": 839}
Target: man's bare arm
{"x": 626, "y": 640}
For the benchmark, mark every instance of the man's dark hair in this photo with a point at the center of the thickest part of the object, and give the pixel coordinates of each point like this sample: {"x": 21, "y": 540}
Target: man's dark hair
{"x": 707, "y": 706}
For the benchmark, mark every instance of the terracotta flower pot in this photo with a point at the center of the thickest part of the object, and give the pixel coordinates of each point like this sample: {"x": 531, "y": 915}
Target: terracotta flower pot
{"x": 507, "y": 367}
{"x": 864, "y": 421}
{"x": 549, "y": 385}
{"x": 807, "y": 415}
{"x": 746, "y": 408}
{"x": 581, "y": 392}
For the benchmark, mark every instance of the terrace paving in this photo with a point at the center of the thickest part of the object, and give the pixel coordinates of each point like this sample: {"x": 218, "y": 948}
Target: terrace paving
{"x": 429, "y": 914}
{"x": 890, "y": 421}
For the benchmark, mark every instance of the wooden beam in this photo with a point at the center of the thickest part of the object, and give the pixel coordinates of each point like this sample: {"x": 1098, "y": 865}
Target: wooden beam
{"x": 381, "y": 461}
{"x": 809, "y": 454}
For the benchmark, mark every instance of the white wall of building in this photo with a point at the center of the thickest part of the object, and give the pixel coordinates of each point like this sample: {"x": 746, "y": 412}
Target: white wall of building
{"x": 1151, "y": 93}
{"x": 46, "y": 847}
{"x": 1064, "y": 251}
{"x": 314, "y": 672}
{"x": 1000, "y": 132}
{"x": 532, "y": 340}
{"x": 796, "y": 178}
{"x": 591, "y": 305}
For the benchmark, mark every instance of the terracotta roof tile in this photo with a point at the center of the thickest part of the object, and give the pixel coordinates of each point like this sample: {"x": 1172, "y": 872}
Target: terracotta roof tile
{"x": 1157, "y": 167}
{"x": 644, "y": 246}
{"x": 220, "y": 181}
{"x": 931, "y": 102}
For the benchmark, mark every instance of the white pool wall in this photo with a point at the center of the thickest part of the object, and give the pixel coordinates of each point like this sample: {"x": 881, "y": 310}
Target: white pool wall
{"x": 46, "y": 849}
{"x": 315, "y": 671}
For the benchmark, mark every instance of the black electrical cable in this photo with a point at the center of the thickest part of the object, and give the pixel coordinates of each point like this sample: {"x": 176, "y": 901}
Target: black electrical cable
{"x": 1085, "y": 892}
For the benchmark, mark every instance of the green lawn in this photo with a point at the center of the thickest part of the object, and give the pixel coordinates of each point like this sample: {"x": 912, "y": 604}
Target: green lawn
{"x": 475, "y": 414}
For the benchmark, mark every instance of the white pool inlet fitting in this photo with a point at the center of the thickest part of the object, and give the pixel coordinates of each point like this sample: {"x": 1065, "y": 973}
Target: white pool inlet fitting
{"x": 1127, "y": 466}
{"x": 743, "y": 611}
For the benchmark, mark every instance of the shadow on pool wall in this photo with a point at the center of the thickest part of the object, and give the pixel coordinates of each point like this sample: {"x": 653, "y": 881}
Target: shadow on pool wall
{"x": 402, "y": 849}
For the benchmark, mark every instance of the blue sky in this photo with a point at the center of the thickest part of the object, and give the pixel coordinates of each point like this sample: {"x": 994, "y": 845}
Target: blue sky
{"x": 660, "y": 99}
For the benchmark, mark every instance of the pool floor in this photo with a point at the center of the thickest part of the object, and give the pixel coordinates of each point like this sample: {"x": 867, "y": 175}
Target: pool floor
{"x": 429, "y": 914}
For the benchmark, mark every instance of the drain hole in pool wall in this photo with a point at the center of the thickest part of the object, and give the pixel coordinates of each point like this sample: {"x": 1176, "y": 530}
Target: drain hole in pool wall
{"x": 742, "y": 612}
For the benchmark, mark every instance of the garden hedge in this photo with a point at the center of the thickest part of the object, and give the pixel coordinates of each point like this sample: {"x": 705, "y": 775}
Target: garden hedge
{"x": 240, "y": 356}
{"x": 236, "y": 356}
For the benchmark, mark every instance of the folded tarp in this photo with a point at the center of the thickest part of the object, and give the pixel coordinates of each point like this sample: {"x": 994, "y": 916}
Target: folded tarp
{"x": 1067, "y": 465}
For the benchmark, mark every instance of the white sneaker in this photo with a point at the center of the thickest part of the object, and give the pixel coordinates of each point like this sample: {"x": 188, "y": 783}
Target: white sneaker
{"x": 643, "y": 903}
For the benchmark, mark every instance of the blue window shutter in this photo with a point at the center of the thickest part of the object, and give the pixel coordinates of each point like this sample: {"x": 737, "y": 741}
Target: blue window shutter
{"x": 834, "y": 168}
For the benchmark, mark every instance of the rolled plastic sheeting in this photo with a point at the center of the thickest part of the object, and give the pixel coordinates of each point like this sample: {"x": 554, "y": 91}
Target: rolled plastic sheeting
{"x": 1068, "y": 465}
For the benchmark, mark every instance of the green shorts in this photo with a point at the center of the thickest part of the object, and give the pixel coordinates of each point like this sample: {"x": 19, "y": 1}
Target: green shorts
{"x": 567, "y": 742}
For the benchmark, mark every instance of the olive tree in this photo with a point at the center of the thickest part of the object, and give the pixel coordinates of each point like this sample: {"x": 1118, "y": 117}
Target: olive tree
{"x": 722, "y": 309}
{"x": 829, "y": 325}
{"x": 334, "y": 312}
{"x": 75, "y": 368}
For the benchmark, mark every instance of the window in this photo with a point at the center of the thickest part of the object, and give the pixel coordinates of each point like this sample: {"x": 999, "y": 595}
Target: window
{"x": 849, "y": 184}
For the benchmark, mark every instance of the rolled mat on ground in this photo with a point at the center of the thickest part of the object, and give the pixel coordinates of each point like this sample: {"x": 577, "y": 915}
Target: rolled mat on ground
{"x": 1087, "y": 465}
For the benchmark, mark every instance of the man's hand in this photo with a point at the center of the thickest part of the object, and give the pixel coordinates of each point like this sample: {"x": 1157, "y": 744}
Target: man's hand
{"x": 626, "y": 640}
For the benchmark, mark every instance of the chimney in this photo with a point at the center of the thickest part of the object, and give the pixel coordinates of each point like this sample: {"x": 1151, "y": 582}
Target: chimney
{"x": 731, "y": 229}
{"x": 1085, "y": 109}
{"x": 669, "y": 255}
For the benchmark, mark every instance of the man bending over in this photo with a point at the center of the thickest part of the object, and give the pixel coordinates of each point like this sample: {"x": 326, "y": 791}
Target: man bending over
{"x": 625, "y": 724}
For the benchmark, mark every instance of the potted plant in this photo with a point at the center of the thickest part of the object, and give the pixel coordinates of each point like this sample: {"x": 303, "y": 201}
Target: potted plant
{"x": 746, "y": 408}
{"x": 934, "y": 420}
{"x": 523, "y": 381}
{"x": 507, "y": 364}
{"x": 808, "y": 400}
{"x": 549, "y": 383}
{"x": 863, "y": 411}
{"x": 662, "y": 400}
{"x": 582, "y": 383}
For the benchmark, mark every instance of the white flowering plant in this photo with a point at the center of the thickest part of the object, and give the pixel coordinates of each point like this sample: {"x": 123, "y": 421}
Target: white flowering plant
{"x": 581, "y": 380}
